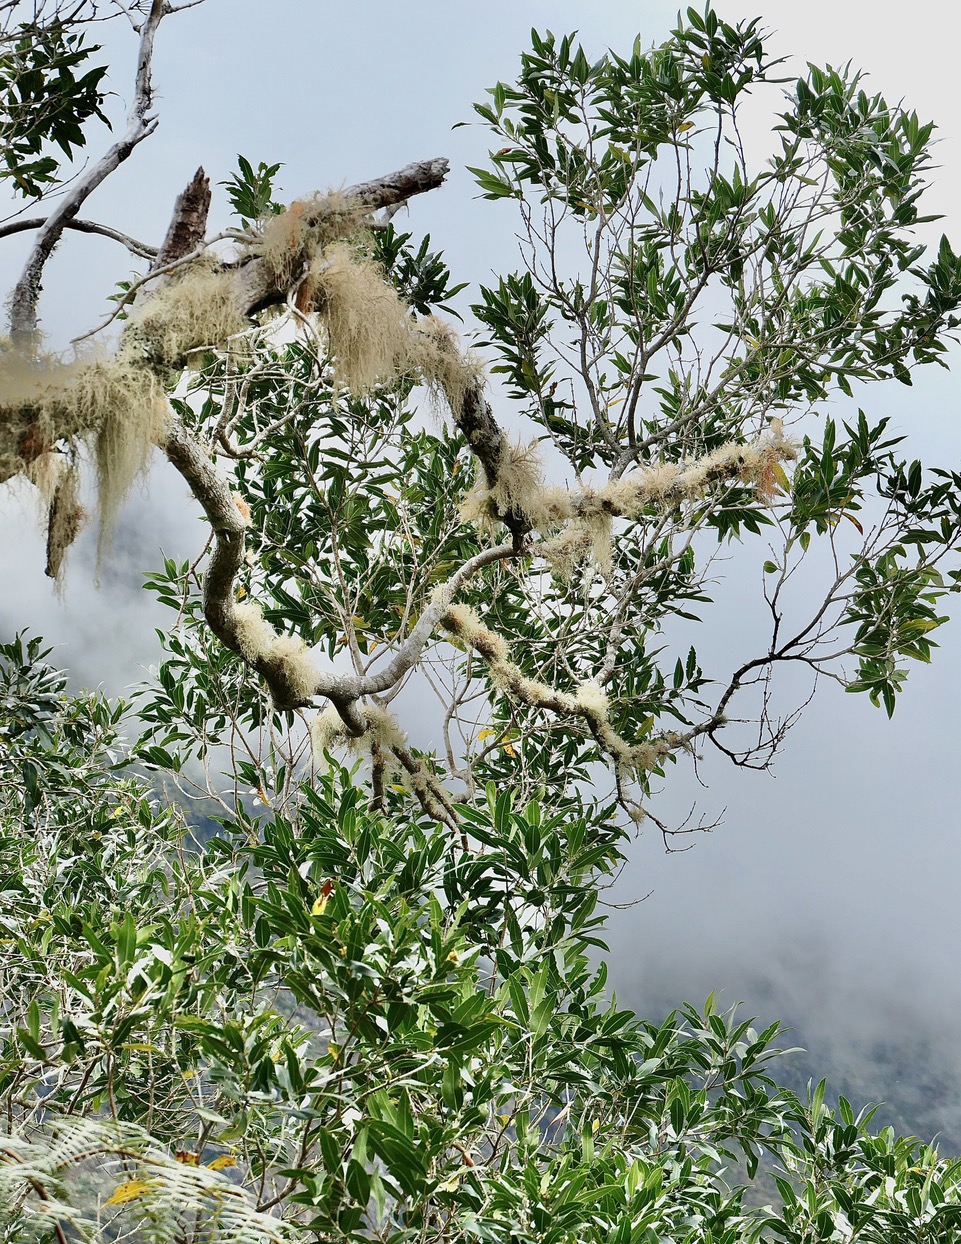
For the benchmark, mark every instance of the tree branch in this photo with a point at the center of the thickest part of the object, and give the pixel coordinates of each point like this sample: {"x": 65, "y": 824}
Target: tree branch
{"x": 290, "y": 675}
{"x": 26, "y": 293}
{"x": 259, "y": 287}
{"x": 83, "y": 226}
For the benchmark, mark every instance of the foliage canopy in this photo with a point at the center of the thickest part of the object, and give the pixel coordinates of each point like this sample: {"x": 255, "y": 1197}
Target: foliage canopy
{"x": 369, "y": 1006}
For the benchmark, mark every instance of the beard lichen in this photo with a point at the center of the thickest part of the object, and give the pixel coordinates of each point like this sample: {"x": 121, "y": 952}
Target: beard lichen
{"x": 447, "y": 372}
{"x": 368, "y": 326}
{"x": 291, "y": 239}
{"x": 587, "y": 535}
{"x": 114, "y": 406}
{"x": 519, "y": 488}
{"x": 194, "y": 310}
{"x": 65, "y": 518}
{"x": 127, "y": 406}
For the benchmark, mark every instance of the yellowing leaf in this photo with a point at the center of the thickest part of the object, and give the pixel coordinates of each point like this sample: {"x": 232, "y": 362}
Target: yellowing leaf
{"x": 685, "y": 126}
{"x": 453, "y": 957}
{"x": 187, "y": 1158}
{"x": 221, "y": 1163}
{"x": 129, "y": 1191}
{"x": 333, "y": 1049}
{"x": 508, "y": 748}
{"x": 486, "y": 733}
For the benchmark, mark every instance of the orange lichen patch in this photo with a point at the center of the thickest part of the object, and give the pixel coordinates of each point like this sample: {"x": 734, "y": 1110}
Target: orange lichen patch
{"x": 34, "y": 442}
{"x": 243, "y": 509}
{"x": 292, "y": 239}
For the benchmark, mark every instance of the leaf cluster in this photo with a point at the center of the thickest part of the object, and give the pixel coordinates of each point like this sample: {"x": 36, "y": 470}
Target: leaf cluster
{"x": 47, "y": 95}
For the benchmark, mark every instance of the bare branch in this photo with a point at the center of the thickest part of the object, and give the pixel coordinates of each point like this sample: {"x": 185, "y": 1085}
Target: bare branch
{"x": 397, "y": 188}
{"x": 140, "y": 125}
{"x": 140, "y": 249}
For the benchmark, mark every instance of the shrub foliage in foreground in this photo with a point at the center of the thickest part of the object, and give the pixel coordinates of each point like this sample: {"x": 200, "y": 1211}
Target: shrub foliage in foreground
{"x": 335, "y": 1024}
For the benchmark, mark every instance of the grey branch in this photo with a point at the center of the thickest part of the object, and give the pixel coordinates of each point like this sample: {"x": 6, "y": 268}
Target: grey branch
{"x": 83, "y": 226}
{"x": 26, "y": 293}
{"x": 396, "y": 188}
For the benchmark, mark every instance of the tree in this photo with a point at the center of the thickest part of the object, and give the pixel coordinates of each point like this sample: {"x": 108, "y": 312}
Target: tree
{"x": 371, "y": 993}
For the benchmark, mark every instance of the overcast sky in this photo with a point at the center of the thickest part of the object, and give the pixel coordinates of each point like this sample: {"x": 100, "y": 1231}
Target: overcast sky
{"x": 838, "y": 877}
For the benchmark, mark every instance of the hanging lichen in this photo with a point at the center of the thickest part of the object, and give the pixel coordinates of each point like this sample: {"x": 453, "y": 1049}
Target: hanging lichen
{"x": 114, "y": 406}
{"x": 447, "y": 372}
{"x": 292, "y": 239}
{"x": 368, "y": 326}
{"x": 65, "y": 518}
{"x": 197, "y": 309}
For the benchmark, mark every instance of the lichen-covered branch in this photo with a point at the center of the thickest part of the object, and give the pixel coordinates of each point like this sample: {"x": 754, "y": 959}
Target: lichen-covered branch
{"x": 305, "y": 226}
{"x": 589, "y": 702}
{"x": 283, "y": 662}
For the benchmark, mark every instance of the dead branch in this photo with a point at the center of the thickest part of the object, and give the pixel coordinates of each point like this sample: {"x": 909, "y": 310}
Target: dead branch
{"x": 189, "y": 222}
{"x": 141, "y": 249}
{"x": 140, "y": 125}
